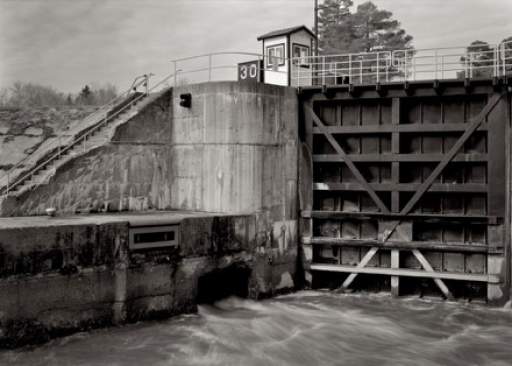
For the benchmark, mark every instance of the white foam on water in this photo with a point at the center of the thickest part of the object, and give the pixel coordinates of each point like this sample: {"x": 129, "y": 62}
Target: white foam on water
{"x": 305, "y": 328}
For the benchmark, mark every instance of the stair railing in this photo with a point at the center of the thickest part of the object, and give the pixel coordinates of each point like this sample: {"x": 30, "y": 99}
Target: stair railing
{"x": 100, "y": 115}
{"x": 83, "y": 138}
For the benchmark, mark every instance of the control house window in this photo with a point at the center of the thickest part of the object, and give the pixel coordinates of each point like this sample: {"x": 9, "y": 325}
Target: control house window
{"x": 275, "y": 55}
{"x": 300, "y": 55}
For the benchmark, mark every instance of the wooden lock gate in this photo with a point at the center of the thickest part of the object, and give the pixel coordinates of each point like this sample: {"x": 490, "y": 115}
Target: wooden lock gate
{"x": 408, "y": 181}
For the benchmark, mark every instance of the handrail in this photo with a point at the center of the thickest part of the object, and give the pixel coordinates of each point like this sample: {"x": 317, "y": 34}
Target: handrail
{"x": 58, "y": 139}
{"x": 406, "y": 64}
{"x": 210, "y": 67}
{"x": 105, "y": 113}
{"x": 216, "y": 54}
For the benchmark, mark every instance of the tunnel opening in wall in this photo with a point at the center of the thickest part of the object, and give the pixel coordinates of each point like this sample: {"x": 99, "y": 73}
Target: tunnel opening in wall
{"x": 222, "y": 283}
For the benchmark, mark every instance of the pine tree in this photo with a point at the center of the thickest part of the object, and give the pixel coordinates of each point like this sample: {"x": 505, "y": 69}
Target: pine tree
{"x": 332, "y": 23}
{"x": 368, "y": 29}
{"x": 86, "y": 97}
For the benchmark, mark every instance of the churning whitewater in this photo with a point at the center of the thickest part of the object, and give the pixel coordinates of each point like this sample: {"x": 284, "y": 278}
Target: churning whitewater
{"x": 306, "y": 328}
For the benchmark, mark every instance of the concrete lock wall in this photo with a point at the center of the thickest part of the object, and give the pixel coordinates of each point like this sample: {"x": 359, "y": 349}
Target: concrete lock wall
{"x": 64, "y": 275}
{"x": 234, "y": 152}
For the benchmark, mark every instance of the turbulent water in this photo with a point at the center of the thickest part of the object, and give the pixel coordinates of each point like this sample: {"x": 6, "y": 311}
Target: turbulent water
{"x": 307, "y": 328}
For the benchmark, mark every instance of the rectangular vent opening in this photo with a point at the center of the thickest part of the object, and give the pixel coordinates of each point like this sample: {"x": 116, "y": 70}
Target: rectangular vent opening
{"x": 153, "y": 237}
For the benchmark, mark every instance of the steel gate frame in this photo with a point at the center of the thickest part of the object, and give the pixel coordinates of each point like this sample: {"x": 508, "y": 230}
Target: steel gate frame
{"x": 312, "y": 120}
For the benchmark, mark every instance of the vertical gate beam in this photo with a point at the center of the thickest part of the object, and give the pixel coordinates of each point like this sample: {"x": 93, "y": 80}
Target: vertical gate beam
{"x": 496, "y": 168}
{"x": 349, "y": 162}
{"x": 306, "y": 195}
{"x": 395, "y": 149}
{"x": 395, "y": 280}
{"x": 426, "y": 265}
{"x": 366, "y": 259}
{"x": 473, "y": 125}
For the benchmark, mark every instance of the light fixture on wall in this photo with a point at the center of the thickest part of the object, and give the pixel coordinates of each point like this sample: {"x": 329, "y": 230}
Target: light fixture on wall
{"x": 186, "y": 100}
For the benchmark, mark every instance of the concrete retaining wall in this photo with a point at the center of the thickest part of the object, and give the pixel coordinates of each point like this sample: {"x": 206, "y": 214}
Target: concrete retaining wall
{"x": 233, "y": 152}
{"x": 65, "y": 275}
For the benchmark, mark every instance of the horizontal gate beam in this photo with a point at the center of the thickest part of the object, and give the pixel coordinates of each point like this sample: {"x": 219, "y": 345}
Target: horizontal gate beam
{"x": 402, "y": 187}
{"x": 403, "y": 272}
{"x": 405, "y": 245}
{"x": 416, "y": 128}
{"x": 403, "y": 158}
{"x": 325, "y": 214}
{"x": 350, "y": 164}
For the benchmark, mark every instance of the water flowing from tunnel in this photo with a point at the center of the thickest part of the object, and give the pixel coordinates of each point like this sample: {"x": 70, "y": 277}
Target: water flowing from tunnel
{"x": 306, "y": 328}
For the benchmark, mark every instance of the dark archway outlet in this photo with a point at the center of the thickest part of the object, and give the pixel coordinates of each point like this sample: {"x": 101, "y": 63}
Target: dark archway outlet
{"x": 222, "y": 283}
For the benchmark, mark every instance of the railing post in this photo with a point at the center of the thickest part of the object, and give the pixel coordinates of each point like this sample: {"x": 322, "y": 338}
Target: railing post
{"x": 360, "y": 70}
{"x": 495, "y": 61}
{"x": 335, "y": 72}
{"x": 413, "y": 68}
{"x": 298, "y": 73}
{"x": 442, "y": 67}
{"x": 323, "y": 70}
{"x": 209, "y": 67}
{"x": 388, "y": 65}
{"x": 350, "y": 68}
{"x": 470, "y": 65}
{"x": 405, "y": 65}
{"x": 503, "y": 58}
{"x": 378, "y": 66}
{"x": 436, "y": 64}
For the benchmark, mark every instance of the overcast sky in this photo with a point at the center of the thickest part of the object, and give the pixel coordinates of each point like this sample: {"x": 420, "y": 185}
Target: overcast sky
{"x": 66, "y": 44}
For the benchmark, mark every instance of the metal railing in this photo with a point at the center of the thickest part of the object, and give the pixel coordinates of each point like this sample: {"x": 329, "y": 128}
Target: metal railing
{"x": 100, "y": 118}
{"x": 218, "y": 66}
{"x": 404, "y": 65}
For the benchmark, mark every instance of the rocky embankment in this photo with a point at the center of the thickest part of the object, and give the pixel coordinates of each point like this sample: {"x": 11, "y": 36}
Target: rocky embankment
{"x": 23, "y": 130}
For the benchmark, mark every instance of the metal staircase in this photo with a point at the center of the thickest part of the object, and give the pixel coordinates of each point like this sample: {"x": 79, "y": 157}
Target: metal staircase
{"x": 95, "y": 130}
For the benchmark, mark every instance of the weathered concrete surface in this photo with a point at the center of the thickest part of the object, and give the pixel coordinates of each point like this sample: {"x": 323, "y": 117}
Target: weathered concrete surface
{"x": 68, "y": 274}
{"x": 234, "y": 153}
{"x": 235, "y": 150}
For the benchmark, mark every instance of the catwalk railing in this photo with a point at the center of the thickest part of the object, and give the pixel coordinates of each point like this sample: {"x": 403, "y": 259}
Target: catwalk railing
{"x": 357, "y": 68}
{"x": 404, "y": 65}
